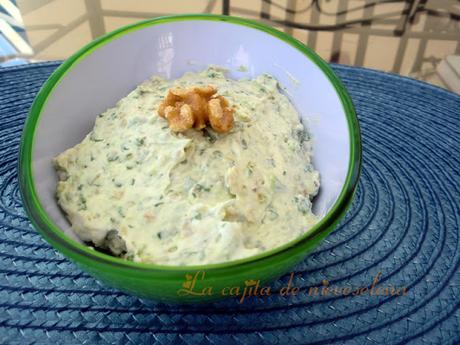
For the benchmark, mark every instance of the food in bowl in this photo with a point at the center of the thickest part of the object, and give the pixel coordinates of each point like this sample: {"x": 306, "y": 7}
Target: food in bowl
{"x": 145, "y": 189}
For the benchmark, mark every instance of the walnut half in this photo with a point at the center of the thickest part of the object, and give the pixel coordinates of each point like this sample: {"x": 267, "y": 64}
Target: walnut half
{"x": 196, "y": 107}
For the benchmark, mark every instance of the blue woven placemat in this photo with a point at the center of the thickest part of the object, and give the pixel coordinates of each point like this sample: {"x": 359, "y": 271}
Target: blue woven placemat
{"x": 404, "y": 223}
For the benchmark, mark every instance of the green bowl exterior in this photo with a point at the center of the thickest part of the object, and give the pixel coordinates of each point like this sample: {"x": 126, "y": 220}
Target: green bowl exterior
{"x": 166, "y": 286}
{"x": 164, "y": 283}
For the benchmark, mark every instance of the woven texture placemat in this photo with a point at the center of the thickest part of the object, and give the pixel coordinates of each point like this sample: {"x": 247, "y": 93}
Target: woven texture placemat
{"x": 404, "y": 223}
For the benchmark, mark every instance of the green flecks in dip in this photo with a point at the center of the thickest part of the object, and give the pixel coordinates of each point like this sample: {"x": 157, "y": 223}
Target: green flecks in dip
{"x": 196, "y": 197}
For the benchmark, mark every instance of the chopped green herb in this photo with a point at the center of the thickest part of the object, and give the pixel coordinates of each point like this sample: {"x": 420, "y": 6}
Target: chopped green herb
{"x": 276, "y": 184}
{"x": 172, "y": 249}
{"x": 244, "y": 144}
{"x": 272, "y": 162}
{"x": 200, "y": 187}
{"x": 82, "y": 203}
{"x": 308, "y": 168}
{"x": 93, "y": 181}
{"x": 94, "y": 138}
{"x": 217, "y": 154}
{"x": 210, "y": 135}
{"x": 303, "y": 204}
{"x": 300, "y": 134}
{"x": 129, "y": 257}
{"x": 112, "y": 157}
{"x": 250, "y": 166}
{"x": 140, "y": 141}
{"x": 271, "y": 213}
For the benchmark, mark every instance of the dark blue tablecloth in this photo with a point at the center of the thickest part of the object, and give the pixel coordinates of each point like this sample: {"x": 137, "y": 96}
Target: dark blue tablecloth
{"x": 404, "y": 223}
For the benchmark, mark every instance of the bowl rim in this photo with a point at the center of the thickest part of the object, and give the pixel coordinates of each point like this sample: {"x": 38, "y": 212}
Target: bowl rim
{"x": 45, "y": 225}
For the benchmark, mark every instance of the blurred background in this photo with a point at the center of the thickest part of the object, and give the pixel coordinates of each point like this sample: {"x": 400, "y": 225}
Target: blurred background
{"x": 420, "y": 39}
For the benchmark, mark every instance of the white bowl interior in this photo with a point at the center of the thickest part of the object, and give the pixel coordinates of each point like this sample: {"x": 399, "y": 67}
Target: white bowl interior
{"x": 106, "y": 75}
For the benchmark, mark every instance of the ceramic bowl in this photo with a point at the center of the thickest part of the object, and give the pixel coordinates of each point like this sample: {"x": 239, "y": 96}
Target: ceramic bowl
{"x": 107, "y": 69}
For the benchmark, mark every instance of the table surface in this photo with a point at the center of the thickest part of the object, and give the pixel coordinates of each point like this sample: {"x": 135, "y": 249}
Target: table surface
{"x": 404, "y": 223}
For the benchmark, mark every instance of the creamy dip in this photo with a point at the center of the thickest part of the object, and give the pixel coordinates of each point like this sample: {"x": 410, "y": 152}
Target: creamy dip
{"x": 196, "y": 197}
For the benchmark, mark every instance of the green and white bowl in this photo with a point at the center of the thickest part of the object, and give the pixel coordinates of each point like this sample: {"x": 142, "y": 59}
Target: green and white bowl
{"x": 107, "y": 69}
